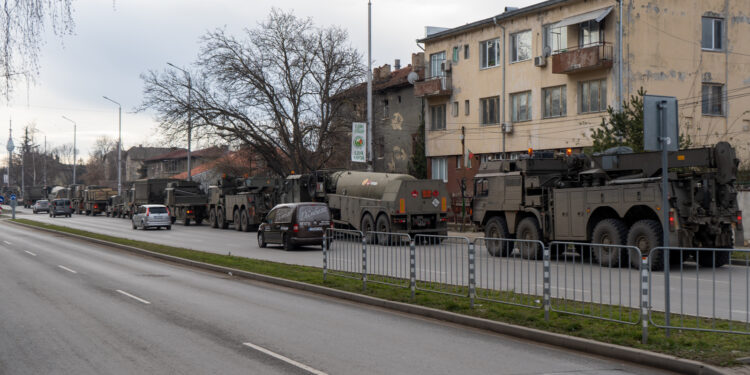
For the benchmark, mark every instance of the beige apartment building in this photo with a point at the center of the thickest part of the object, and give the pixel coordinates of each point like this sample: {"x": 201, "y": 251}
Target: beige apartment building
{"x": 542, "y": 76}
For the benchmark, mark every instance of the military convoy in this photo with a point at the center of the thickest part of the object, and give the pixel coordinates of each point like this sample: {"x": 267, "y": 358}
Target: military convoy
{"x": 186, "y": 201}
{"x": 95, "y": 199}
{"x": 32, "y": 194}
{"x": 613, "y": 198}
{"x": 242, "y": 202}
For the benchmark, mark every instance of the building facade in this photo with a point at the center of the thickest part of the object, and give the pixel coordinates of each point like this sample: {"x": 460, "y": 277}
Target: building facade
{"x": 542, "y": 76}
{"x": 175, "y": 162}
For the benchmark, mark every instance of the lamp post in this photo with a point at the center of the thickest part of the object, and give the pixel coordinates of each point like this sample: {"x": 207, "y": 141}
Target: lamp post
{"x": 190, "y": 115}
{"x": 10, "y": 149}
{"x": 74, "y": 149}
{"x": 119, "y": 146}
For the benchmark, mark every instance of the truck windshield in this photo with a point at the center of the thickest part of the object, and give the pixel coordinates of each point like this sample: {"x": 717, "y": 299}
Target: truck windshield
{"x": 157, "y": 210}
{"x": 313, "y": 213}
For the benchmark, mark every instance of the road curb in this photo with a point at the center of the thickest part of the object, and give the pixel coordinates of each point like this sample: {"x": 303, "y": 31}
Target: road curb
{"x": 633, "y": 355}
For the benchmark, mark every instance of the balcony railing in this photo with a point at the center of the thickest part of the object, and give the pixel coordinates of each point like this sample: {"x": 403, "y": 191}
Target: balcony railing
{"x": 581, "y": 59}
{"x": 433, "y": 87}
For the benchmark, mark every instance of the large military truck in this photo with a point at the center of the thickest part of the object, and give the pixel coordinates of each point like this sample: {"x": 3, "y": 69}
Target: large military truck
{"x": 149, "y": 191}
{"x": 58, "y": 192}
{"x": 186, "y": 201}
{"x": 32, "y": 194}
{"x": 242, "y": 202}
{"x": 75, "y": 192}
{"x": 372, "y": 201}
{"x": 612, "y": 198}
{"x": 124, "y": 207}
{"x": 114, "y": 205}
{"x": 95, "y": 199}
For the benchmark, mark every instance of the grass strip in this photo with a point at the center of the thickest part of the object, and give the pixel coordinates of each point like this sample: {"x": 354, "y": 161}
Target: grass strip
{"x": 708, "y": 347}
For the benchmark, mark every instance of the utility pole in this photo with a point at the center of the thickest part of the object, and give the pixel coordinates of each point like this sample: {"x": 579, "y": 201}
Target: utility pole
{"x": 24, "y": 149}
{"x": 10, "y": 148}
{"x": 74, "y": 149}
{"x": 45, "y": 160}
{"x": 371, "y": 151}
{"x": 119, "y": 147}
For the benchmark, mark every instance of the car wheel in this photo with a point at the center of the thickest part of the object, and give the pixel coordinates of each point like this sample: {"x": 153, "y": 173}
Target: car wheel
{"x": 143, "y": 225}
{"x": 133, "y": 223}
{"x": 261, "y": 240}
{"x": 287, "y": 241}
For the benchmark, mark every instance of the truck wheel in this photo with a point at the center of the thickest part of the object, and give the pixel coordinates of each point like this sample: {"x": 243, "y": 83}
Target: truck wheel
{"x": 173, "y": 219}
{"x": 186, "y": 222}
{"x": 608, "y": 232}
{"x": 212, "y": 218}
{"x": 236, "y": 220}
{"x": 367, "y": 224}
{"x": 222, "y": 222}
{"x": 528, "y": 229}
{"x": 646, "y": 235}
{"x": 382, "y": 225}
{"x": 288, "y": 243}
{"x": 261, "y": 240}
{"x": 198, "y": 221}
{"x": 244, "y": 222}
{"x": 711, "y": 258}
{"x": 497, "y": 228}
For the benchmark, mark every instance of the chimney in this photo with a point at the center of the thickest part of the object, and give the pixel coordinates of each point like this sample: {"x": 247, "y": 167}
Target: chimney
{"x": 382, "y": 72}
{"x": 417, "y": 61}
{"x": 397, "y": 64}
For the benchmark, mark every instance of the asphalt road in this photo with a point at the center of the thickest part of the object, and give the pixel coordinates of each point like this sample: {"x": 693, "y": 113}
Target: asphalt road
{"x": 71, "y": 307}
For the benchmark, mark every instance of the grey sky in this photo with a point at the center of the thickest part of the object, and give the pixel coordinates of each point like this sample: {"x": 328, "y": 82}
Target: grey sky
{"x": 115, "y": 42}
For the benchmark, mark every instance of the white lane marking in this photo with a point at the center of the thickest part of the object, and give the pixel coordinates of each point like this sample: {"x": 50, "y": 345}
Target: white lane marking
{"x": 133, "y": 297}
{"x": 285, "y": 359}
{"x": 67, "y": 269}
{"x": 30, "y": 253}
{"x": 7, "y": 243}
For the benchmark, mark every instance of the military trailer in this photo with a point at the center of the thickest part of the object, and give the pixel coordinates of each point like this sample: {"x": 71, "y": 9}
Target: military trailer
{"x": 34, "y": 193}
{"x": 242, "y": 202}
{"x": 95, "y": 199}
{"x": 149, "y": 191}
{"x": 186, "y": 201}
{"x": 612, "y": 198}
{"x": 114, "y": 204}
{"x": 371, "y": 201}
{"x": 75, "y": 192}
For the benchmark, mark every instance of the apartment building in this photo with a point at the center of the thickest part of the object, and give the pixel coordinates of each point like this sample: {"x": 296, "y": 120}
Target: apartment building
{"x": 542, "y": 76}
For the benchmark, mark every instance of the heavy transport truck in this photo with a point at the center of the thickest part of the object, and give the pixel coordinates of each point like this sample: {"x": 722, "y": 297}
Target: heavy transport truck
{"x": 149, "y": 191}
{"x": 613, "y": 198}
{"x": 114, "y": 205}
{"x": 58, "y": 192}
{"x": 242, "y": 202}
{"x": 75, "y": 192}
{"x": 372, "y": 201}
{"x": 124, "y": 207}
{"x": 95, "y": 199}
{"x": 186, "y": 201}
{"x": 34, "y": 193}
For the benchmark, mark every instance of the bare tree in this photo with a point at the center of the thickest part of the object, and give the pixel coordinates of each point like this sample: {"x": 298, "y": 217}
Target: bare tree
{"x": 101, "y": 162}
{"x": 269, "y": 92}
{"x": 23, "y": 23}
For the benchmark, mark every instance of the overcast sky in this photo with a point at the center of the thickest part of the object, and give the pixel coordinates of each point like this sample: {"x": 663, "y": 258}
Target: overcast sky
{"x": 114, "y": 42}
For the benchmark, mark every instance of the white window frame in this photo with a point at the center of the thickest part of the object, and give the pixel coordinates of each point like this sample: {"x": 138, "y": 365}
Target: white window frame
{"x": 439, "y": 169}
{"x": 586, "y": 34}
{"x": 557, "y": 43}
{"x": 514, "y": 51}
{"x": 485, "y": 47}
{"x": 516, "y": 100}
{"x": 715, "y": 23}
{"x": 547, "y": 109}
{"x": 436, "y": 64}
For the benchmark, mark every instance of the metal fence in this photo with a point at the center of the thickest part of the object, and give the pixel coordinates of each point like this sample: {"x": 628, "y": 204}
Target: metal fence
{"x": 607, "y": 282}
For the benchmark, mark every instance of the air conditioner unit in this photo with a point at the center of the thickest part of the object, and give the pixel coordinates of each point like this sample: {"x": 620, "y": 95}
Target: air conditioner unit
{"x": 507, "y": 127}
{"x": 446, "y": 66}
{"x": 540, "y": 61}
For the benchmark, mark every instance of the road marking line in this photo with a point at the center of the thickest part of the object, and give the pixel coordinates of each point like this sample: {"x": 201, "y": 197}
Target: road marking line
{"x": 67, "y": 269}
{"x": 7, "y": 243}
{"x": 133, "y": 297}
{"x": 285, "y": 359}
{"x": 30, "y": 253}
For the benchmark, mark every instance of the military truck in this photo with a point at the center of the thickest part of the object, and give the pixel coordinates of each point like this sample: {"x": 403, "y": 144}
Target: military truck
{"x": 242, "y": 202}
{"x": 186, "y": 201}
{"x": 612, "y": 198}
{"x": 32, "y": 194}
{"x": 75, "y": 192}
{"x": 58, "y": 192}
{"x": 125, "y": 206}
{"x": 95, "y": 199}
{"x": 114, "y": 205}
{"x": 149, "y": 191}
{"x": 371, "y": 201}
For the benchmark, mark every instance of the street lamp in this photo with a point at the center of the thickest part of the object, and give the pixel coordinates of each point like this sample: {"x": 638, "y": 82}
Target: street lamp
{"x": 74, "y": 149}
{"x": 119, "y": 146}
{"x": 190, "y": 115}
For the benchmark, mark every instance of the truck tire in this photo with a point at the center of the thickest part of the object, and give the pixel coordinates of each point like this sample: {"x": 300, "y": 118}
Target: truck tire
{"x": 367, "y": 224}
{"x": 608, "y": 232}
{"x": 382, "y": 225}
{"x": 244, "y": 221}
{"x": 646, "y": 235}
{"x": 222, "y": 223}
{"x": 236, "y": 220}
{"x": 706, "y": 258}
{"x": 198, "y": 220}
{"x": 528, "y": 229}
{"x": 497, "y": 228}
{"x": 212, "y": 218}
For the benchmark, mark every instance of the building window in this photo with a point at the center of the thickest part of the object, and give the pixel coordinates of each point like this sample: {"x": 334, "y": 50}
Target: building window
{"x": 399, "y": 99}
{"x": 436, "y": 64}
{"x": 386, "y": 109}
{"x": 554, "y": 101}
{"x": 593, "y": 96}
{"x": 555, "y": 38}
{"x": 489, "y": 51}
{"x": 713, "y": 29}
{"x": 520, "y": 46}
{"x": 439, "y": 169}
{"x": 466, "y": 51}
{"x": 589, "y": 33}
{"x": 521, "y": 105}
{"x": 712, "y": 101}
{"x": 490, "y": 110}
{"x": 466, "y": 107}
{"x": 455, "y": 54}
{"x": 437, "y": 117}
{"x": 458, "y": 161}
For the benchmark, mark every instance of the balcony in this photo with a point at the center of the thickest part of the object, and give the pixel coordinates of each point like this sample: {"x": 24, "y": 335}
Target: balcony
{"x": 433, "y": 87}
{"x": 583, "y": 59}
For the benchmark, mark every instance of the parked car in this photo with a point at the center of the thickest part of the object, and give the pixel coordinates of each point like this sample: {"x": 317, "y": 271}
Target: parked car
{"x": 60, "y": 207}
{"x": 40, "y": 205}
{"x": 152, "y": 216}
{"x": 295, "y": 224}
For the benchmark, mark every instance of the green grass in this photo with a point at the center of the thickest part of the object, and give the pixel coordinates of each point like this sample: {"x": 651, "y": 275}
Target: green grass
{"x": 713, "y": 348}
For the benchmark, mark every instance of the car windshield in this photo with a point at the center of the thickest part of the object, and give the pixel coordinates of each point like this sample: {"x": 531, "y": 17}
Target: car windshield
{"x": 313, "y": 213}
{"x": 157, "y": 210}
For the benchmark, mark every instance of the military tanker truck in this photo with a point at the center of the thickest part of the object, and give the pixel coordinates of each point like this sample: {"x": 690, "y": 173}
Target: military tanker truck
{"x": 372, "y": 201}
{"x": 186, "y": 201}
{"x": 242, "y": 202}
{"x": 613, "y": 198}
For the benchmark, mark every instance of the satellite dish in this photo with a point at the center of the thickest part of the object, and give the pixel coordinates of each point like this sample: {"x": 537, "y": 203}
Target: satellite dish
{"x": 412, "y": 77}
{"x": 547, "y": 51}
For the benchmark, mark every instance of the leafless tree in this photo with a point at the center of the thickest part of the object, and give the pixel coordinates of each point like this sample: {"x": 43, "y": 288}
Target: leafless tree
{"x": 22, "y": 24}
{"x": 101, "y": 161}
{"x": 269, "y": 91}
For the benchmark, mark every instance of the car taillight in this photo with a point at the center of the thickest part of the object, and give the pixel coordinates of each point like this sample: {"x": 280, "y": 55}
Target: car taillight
{"x": 331, "y": 224}
{"x": 148, "y": 211}
{"x": 96, "y": 206}
{"x": 295, "y": 228}
{"x": 189, "y": 211}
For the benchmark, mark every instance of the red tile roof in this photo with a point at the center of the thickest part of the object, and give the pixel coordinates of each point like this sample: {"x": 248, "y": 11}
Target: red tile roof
{"x": 211, "y": 152}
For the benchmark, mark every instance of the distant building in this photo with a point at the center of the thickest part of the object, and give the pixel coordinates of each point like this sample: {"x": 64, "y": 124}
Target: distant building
{"x": 134, "y": 159}
{"x": 236, "y": 163}
{"x": 175, "y": 162}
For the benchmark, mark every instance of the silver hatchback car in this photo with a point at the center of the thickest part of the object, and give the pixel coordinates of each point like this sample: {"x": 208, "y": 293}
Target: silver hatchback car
{"x": 152, "y": 216}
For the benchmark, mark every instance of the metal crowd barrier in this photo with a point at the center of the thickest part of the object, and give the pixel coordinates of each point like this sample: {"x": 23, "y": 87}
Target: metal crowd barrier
{"x": 388, "y": 259}
{"x": 343, "y": 253}
{"x": 442, "y": 264}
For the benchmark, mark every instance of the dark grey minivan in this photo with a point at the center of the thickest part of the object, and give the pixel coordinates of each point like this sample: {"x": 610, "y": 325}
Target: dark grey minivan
{"x": 60, "y": 207}
{"x": 295, "y": 224}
